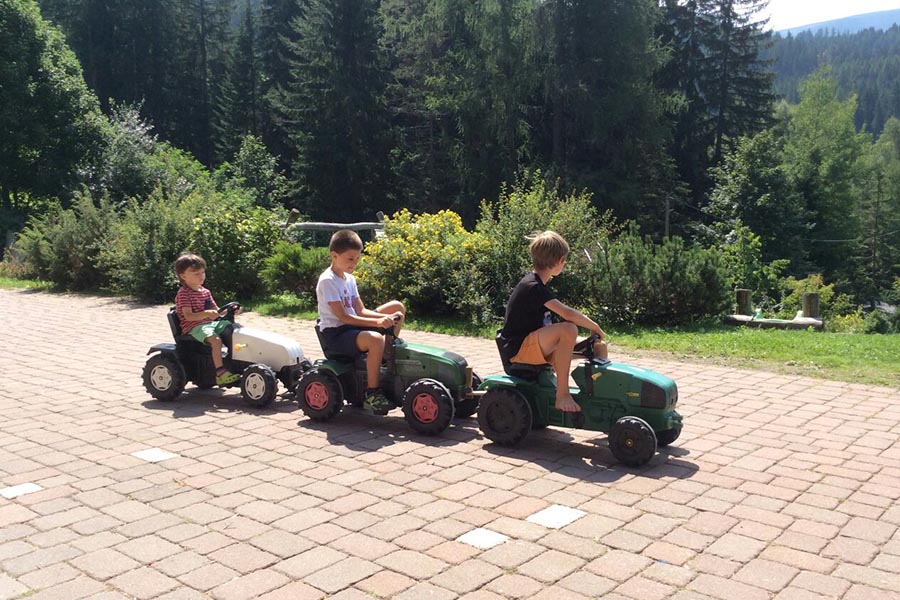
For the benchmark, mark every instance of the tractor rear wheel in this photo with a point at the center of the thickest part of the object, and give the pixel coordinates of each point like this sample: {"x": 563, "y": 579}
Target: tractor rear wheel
{"x": 504, "y": 416}
{"x": 319, "y": 394}
{"x": 164, "y": 377}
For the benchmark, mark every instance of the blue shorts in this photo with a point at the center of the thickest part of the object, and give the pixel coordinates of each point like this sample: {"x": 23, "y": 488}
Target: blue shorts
{"x": 342, "y": 340}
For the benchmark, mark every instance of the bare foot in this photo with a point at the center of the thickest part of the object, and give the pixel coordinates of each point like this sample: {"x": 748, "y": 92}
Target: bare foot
{"x": 567, "y": 404}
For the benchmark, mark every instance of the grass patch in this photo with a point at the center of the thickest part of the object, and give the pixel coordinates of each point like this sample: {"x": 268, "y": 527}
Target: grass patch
{"x": 860, "y": 358}
{"x": 11, "y": 283}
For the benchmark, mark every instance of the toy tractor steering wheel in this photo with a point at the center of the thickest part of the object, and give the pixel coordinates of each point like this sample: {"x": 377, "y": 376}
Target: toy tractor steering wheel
{"x": 586, "y": 346}
{"x": 389, "y": 331}
{"x": 229, "y": 310}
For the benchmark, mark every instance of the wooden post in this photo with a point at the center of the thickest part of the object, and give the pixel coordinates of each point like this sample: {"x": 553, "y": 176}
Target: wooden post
{"x": 811, "y": 305}
{"x": 744, "y": 306}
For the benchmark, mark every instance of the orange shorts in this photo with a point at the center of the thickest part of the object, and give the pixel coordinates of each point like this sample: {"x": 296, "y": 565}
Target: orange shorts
{"x": 530, "y": 351}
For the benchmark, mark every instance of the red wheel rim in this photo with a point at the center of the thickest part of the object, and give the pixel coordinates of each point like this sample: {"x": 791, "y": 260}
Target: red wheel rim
{"x": 425, "y": 408}
{"x": 316, "y": 395}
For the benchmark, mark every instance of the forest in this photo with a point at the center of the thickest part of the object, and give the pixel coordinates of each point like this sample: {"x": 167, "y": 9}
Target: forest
{"x": 866, "y": 63}
{"x": 656, "y": 125}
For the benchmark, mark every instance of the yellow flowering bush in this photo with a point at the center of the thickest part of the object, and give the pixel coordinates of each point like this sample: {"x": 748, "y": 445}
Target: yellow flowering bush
{"x": 424, "y": 260}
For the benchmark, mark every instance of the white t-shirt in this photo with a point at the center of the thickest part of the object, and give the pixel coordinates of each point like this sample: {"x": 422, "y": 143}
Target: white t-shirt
{"x": 332, "y": 288}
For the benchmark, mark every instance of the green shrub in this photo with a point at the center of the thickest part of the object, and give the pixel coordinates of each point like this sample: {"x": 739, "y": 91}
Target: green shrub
{"x": 634, "y": 280}
{"x": 742, "y": 256}
{"x": 293, "y": 268}
{"x": 235, "y": 242}
{"x": 532, "y": 206}
{"x": 146, "y": 241}
{"x": 880, "y": 322}
{"x": 255, "y": 170}
{"x": 419, "y": 261}
{"x": 831, "y": 304}
{"x": 853, "y": 322}
{"x": 63, "y": 245}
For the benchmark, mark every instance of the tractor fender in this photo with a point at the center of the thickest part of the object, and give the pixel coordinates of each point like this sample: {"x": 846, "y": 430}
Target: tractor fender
{"x": 166, "y": 347}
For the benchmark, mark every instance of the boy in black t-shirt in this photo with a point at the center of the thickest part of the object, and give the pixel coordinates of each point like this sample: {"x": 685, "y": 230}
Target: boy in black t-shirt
{"x": 531, "y": 337}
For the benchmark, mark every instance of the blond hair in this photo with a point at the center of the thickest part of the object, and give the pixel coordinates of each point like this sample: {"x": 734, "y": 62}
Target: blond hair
{"x": 546, "y": 249}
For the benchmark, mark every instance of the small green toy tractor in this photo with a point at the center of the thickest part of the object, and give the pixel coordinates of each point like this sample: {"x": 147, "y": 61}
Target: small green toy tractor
{"x": 634, "y": 406}
{"x": 431, "y": 385}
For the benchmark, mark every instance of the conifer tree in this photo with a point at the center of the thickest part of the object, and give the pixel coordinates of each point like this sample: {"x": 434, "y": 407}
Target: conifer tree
{"x": 715, "y": 66}
{"x": 243, "y": 108}
{"x": 333, "y": 110}
{"x": 276, "y": 34}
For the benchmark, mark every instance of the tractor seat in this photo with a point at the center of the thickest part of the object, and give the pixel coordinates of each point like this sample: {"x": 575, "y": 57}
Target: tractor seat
{"x": 520, "y": 370}
{"x": 175, "y": 326}
{"x": 186, "y": 340}
{"x": 335, "y": 355}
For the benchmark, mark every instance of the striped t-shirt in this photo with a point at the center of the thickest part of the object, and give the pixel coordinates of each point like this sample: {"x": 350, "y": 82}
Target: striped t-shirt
{"x": 198, "y": 301}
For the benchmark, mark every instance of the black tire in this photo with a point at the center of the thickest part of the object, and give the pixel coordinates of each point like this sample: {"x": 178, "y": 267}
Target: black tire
{"x": 289, "y": 376}
{"x": 259, "y": 385}
{"x": 632, "y": 441}
{"x": 319, "y": 394}
{"x": 467, "y": 407}
{"x": 164, "y": 377}
{"x": 504, "y": 416}
{"x": 664, "y": 438}
{"x": 428, "y": 406}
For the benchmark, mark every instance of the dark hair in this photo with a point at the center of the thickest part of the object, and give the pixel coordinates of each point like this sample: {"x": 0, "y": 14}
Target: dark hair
{"x": 344, "y": 240}
{"x": 546, "y": 249}
{"x": 188, "y": 261}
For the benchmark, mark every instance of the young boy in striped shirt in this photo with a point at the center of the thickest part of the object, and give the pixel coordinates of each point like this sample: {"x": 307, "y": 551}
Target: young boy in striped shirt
{"x": 198, "y": 312}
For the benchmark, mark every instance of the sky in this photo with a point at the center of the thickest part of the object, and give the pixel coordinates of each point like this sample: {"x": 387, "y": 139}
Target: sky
{"x": 785, "y": 14}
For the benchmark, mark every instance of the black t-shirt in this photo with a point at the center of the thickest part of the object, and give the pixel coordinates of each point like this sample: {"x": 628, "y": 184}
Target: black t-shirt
{"x": 525, "y": 312}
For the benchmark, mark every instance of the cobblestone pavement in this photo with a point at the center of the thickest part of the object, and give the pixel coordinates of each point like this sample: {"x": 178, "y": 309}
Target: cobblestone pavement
{"x": 780, "y": 487}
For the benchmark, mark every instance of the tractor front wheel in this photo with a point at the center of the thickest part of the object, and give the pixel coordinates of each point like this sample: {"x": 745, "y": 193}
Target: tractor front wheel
{"x": 504, "y": 416}
{"x": 428, "y": 406}
{"x": 319, "y": 394}
{"x": 632, "y": 441}
{"x": 259, "y": 385}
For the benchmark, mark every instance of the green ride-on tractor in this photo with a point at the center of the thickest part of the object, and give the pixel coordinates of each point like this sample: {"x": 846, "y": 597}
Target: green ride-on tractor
{"x": 634, "y": 406}
{"x": 431, "y": 385}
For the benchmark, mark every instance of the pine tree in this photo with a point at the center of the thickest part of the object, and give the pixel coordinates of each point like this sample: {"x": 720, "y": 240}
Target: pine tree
{"x": 243, "y": 109}
{"x": 205, "y": 31}
{"x": 715, "y": 66}
{"x": 599, "y": 120}
{"x": 333, "y": 110}
{"x": 276, "y": 34}
{"x": 741, "y": 96}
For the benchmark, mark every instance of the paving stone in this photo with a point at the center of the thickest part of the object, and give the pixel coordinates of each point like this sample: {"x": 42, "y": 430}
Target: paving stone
{"x": 105, "y": 563}
{"x": 759, "y": 499}
{"x": 144, "y": 583}
{"x": 345, "y": 573}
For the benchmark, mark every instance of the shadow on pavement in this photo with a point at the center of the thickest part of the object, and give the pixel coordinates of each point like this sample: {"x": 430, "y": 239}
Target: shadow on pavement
{"x": 357, "y": 430}
{"x": 195, "y": 402}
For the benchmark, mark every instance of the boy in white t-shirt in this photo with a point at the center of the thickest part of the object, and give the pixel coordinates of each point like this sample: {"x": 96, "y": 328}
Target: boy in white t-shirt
{"x": 346, "y": 324}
